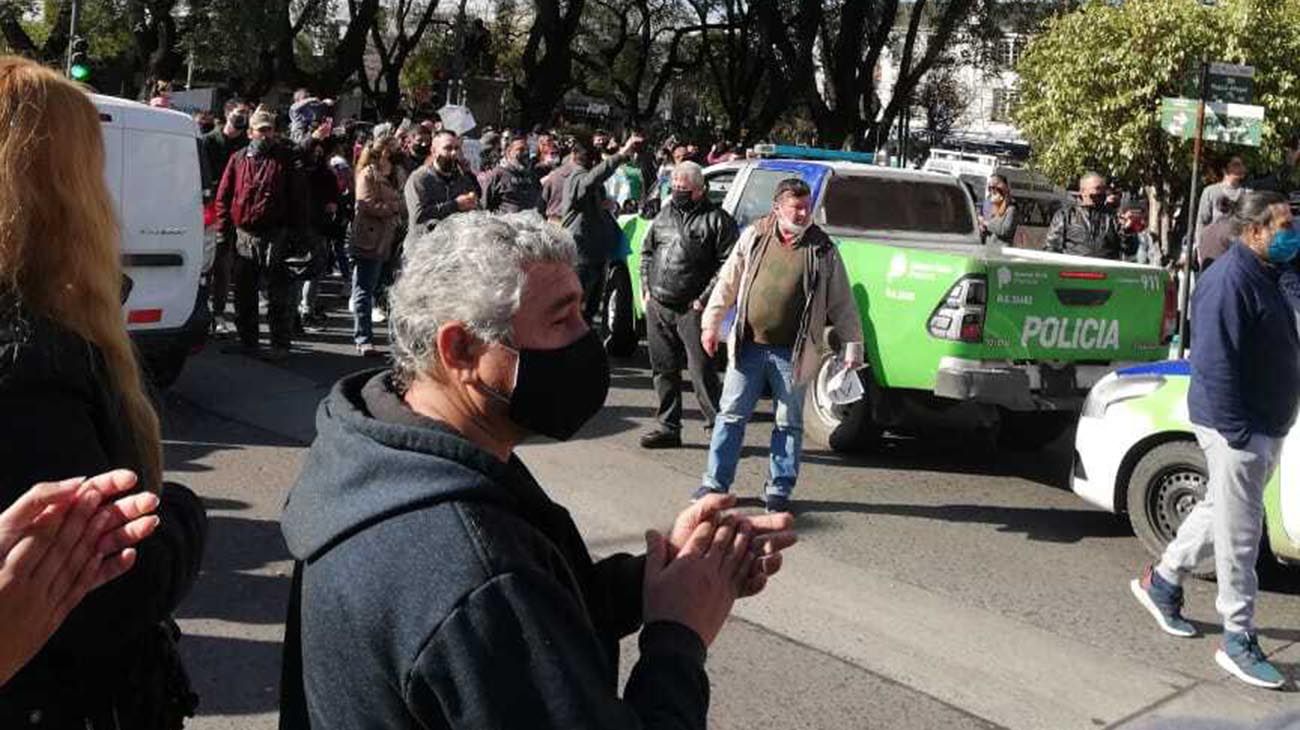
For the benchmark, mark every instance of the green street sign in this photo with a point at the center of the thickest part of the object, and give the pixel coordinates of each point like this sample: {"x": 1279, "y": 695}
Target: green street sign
{"x": 1230, "y": 83}
{"x": 1241, "y": 124}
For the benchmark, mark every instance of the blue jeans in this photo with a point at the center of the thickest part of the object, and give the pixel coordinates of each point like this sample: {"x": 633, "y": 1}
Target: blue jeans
{"x": 758, "y": 365}
{"x": 365, "y": 279}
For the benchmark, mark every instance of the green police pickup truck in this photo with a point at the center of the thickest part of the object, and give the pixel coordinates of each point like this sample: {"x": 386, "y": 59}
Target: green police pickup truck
{"x": 960, "y": 336}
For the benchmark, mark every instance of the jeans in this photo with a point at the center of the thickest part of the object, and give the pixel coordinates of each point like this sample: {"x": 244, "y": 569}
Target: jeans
{"x": 674, "y": 337}
{"x": 1227, "y": 524}
{"x": 758, "y": 365}
{"x": 365, "y": 280}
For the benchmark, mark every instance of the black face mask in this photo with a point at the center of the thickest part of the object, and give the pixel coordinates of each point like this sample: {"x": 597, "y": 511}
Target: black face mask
{"x": 421, "y": 152}
{"x": 239, "y": 121}
{"x": 558, "y": 391}
{"x": 682, "y": 199}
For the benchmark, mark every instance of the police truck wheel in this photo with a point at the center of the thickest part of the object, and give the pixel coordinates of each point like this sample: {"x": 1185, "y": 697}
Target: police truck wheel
{"x": 845, "y": 429}
{"x": 620, "y": 327}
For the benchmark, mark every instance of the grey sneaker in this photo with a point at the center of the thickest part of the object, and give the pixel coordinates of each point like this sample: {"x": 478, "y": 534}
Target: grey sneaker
{"x": 775, "y": 503}
{"x": 703, "y": 492}
{"x": 1240, "y": 656}
{"x": 1164, "y": 601}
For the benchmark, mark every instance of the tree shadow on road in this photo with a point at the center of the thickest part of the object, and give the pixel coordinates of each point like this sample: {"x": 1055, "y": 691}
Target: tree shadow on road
{"x": 249, "y": 682}
{"x": 226, "y": 589}
{"x": 1038, "y": 525}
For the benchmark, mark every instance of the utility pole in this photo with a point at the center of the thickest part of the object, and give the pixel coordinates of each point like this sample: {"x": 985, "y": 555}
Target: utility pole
{"x": 1193, "y": 204}
{"x": 72, "y": 35}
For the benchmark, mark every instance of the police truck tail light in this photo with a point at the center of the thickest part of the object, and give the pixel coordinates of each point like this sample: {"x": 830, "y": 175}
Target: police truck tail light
{"x": 960, "y": 315}
{"x": 1169, "y": 325}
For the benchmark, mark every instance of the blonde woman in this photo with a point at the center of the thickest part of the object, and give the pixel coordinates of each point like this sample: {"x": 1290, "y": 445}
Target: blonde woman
{"x": 72, "y": 402}
{"x": 374, "y": 231}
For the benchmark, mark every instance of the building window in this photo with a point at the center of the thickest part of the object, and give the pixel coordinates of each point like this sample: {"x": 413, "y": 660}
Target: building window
{"x": 1005, "y": 102}
{"x": 1009, "y": 49}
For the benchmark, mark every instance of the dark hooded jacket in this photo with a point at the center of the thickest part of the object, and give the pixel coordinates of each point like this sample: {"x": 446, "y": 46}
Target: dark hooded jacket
{"x": 438, "y": 587}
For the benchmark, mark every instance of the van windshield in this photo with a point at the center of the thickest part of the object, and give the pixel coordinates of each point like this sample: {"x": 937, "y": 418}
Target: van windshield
{"x": 862, "y": 202}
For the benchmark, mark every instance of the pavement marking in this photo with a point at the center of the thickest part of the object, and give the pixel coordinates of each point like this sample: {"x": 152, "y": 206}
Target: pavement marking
{"x": 995, "y": 667}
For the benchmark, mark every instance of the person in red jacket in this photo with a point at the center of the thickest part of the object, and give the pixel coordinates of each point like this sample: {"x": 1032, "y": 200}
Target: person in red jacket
{"x": 263, "y": 196}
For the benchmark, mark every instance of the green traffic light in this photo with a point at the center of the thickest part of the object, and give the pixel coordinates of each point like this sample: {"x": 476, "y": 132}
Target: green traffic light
{"x": 79, "y": 72}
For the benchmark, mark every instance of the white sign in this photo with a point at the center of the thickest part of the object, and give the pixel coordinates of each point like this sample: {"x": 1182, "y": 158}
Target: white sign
{"x": 1232, "y": 69}
{"x": 1067, "y": 333}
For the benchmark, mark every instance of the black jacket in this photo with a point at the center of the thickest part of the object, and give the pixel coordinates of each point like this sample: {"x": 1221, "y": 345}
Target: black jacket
{"x": 509, "y": 189}
{"x": 431, "y": 196}
{"x": 442, "y": 588}
{"x": 60, "y": 417}
{"x": 683, "y": 252}
{"x": 1081, "y": 231}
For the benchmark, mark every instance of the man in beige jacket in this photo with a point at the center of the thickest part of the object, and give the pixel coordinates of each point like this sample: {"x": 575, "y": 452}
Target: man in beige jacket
{"x": 787, "y": 283}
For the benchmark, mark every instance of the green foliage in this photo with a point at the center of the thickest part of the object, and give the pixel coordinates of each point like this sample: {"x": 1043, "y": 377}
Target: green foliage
{"x": 1091, "y": 83}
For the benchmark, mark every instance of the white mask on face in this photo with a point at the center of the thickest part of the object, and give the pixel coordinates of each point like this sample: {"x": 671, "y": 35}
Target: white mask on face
{"x": 788, "y": 228}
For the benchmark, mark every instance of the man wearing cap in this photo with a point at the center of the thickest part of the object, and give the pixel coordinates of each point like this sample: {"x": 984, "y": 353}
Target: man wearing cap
{"x": 261, "y": 198}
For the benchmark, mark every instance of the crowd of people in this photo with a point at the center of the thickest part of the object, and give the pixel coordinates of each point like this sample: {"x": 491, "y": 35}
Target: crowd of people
{"x": 485, "y": 256}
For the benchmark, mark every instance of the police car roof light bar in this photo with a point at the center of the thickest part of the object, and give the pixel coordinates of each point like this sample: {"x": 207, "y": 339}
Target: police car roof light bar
{"x": 787, "y": 151}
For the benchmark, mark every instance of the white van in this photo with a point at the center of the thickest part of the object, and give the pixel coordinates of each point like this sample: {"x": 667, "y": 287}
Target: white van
{"x": 1035, "y": 197}
{"x": 151, "y": 163}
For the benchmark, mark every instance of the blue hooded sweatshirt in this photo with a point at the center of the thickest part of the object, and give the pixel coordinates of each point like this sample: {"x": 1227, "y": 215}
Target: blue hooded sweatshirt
{"x": 438, "y": 587}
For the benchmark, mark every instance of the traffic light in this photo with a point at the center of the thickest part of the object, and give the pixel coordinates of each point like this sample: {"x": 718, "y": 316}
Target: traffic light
{"x": 79, "y": 61}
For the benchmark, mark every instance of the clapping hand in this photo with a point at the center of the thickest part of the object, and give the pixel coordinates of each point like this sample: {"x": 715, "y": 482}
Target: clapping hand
{"x": 770, "y": 534}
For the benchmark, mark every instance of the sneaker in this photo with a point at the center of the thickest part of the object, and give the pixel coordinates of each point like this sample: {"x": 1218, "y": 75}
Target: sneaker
{"x": 703, "y": 492}
{"x": 1240, "y": 656}
{"x": 368, "y": 351}
{"x": 1164, "y": 601}
{"x": 661, "y": 439}
{"x": 775, "y": 503}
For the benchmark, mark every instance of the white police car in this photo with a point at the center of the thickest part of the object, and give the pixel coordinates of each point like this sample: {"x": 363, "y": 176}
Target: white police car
{"x": 1135, "y": 453}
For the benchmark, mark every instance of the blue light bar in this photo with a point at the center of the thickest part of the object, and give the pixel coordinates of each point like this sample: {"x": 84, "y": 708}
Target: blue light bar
{"x": 790, "y": 151}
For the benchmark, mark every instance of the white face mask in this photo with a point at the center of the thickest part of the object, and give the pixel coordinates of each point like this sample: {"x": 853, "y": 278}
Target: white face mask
{"x": 788, "y": 228}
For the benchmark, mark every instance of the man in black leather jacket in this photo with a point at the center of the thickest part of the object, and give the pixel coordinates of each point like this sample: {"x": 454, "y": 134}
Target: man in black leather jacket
{"x": 680, "y": 259}
{"x": 1088, "y": 228}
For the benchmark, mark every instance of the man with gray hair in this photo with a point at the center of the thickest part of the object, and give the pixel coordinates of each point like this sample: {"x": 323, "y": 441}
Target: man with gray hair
{"x": 437, "y": 585}
{"x": 681, "y": 255}
{"x": 1088, "y": 227}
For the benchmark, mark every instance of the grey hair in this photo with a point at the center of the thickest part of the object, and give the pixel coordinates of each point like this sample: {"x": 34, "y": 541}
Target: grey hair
{"x": 1254, "y": 207}
{"x": 693, "y": 173}
{"x": 469, "y": 269}
{"x": 1091, "y": 175}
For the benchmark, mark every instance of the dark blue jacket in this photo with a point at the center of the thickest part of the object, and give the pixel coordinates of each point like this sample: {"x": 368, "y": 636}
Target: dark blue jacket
{"x": 441, "y": 588}
{"x": 1245, "y": 350}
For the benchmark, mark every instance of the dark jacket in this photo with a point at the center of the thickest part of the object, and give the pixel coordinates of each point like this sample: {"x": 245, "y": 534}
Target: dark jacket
{"x": 442, "y": 588}
{"x": 60, "y": 417}
{"x": 431, "y": 196}
{"x": 263, "y": 192}
{"x": 510, "y": 189}
{"x": 683, "y": 252}
{"x": 1081, "y": 231}
{"x": 1214, "y": 242}
{"x": 1246, "y": 358}
{"x": 217, "y": 150}
{"x": 583, "y": 212}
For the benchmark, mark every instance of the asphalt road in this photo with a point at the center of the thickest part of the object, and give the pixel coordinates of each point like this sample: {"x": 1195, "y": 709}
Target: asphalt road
{"x": 935, "y": 586}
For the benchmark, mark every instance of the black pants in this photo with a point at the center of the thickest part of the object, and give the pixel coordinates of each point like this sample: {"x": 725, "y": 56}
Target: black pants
{"x": 674, "y": 336}
{"x": 591, "y": 274}
{"x": 222, "y": 265}
{"x": 260, "y": 260}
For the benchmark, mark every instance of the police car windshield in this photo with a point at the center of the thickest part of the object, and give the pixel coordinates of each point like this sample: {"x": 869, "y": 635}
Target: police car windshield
{"x": 877, "y": 203}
